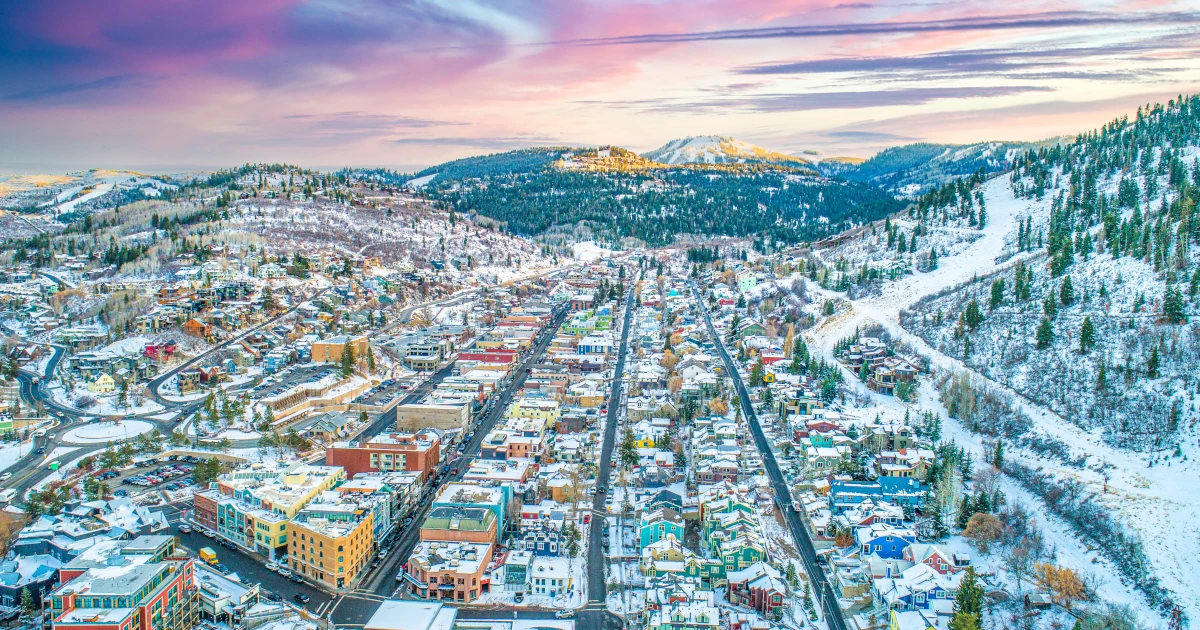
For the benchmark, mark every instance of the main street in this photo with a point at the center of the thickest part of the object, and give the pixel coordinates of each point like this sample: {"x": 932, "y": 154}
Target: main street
{"x": 597, "y": 587}
{"x": 783, "y": 496}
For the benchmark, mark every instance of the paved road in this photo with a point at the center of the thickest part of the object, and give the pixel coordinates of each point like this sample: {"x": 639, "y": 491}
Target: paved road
{"x": 157, "y": 382}
{"x": 597, "y": 587}
{"x": 783, "y": 496}
{"x": 380, "y": 583}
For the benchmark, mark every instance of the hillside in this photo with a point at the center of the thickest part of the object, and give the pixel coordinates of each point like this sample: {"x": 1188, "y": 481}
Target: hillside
{"x": 617, "y": 194}
{"x": 912, "y": 169}
{"x": 1067, "y": 328}
{"x": 719, "y": 150}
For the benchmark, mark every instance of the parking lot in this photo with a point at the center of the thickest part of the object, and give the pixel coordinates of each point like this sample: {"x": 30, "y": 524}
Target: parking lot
{"x": 281, "y": 382}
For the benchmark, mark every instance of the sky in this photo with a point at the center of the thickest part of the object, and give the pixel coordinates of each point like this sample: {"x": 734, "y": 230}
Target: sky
{"x": 169, "y": 85}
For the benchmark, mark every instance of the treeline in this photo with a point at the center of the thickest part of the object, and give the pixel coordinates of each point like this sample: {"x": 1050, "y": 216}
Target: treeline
{"x": 657, "y": 206}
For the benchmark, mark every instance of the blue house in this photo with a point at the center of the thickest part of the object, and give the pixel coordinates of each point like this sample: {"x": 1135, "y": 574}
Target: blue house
{"x": 844, "y": 495}
{"x": 883, "y": 540}
{"x": 656, "y": 525}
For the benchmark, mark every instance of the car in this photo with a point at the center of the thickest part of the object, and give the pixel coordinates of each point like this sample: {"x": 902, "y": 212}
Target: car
{"x": 519, "y": 597}
{"x": 5, "y": 476}
{"x": 302, "y": 598}
{"x": 564, "y": 614}
{"x": 121, "y": 493}
{"x": 271, "y": 566}
{"x": 185, "y": 528}
{"x": 273, "y": 597}
{"x": 285, "y": 572}
{"x": 41, "y": 450}
{"x": 297, "y": 579}
{"x": 222, "y": 568}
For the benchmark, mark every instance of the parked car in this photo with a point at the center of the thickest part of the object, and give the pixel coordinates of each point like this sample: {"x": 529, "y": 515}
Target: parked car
{"x": 285, "y": 572}
{"x": 222, "y": 568}
{"x": 271, "y": 566}
{"x": 564, "y": 614}
{"x": 301, "y": 597}
{"x": 185, "y": 528}
{"x": 273, "y": 597}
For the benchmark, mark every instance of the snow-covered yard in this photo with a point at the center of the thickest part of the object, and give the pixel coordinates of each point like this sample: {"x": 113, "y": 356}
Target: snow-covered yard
{"x": 105, "y": 431}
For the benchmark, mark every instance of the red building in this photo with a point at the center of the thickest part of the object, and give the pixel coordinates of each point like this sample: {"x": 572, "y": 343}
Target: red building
{"x": 140, "y": 584}
{"x": 759, "y": 587}
{"x": 407, "y": 452}
{"x": 204, "y": 509}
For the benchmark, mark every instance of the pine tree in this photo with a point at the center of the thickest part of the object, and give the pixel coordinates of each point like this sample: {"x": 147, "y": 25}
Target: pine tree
{"x": 972, "y": 317}
{"x": 348, "y": 359}
{"x": 1050, "y": 307}
{"x": 1045, "y": 334}
{"x": 1102, "y": 377}
{"x": 933, "y": 258}
{"x": 997, "y": 297}
{"x": 998, "y": 454}
{"x": 1087, "y": 336}
{"x": 1173, "y": 309}
{"x": 969, "y": 599}
{"x": 1067, "y": 292}
{"x": 1152, "y": 364}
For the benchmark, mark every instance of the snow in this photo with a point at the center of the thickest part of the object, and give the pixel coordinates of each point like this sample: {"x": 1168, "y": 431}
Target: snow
{"x": 101, "y": 432}
{"x": 11, "y": 453}
{"x": 417, "y": 182}
{"x": 589, "y": 251}
{"x": 1151, "y": 500}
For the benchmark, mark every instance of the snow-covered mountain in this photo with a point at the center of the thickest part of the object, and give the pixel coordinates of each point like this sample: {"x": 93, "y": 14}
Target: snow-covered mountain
{"x": 719, "y": 150}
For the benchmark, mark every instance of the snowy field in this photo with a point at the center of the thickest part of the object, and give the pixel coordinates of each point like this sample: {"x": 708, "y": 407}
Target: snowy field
{"x": 102, "y": 432}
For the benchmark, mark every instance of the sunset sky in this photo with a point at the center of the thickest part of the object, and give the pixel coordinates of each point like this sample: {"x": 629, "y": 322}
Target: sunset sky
{"x": 162, "y": 85}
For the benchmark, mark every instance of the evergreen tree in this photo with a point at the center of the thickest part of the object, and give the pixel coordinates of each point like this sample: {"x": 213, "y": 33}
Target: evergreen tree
{"x": 1067, "y": 293}
{"x": 998, "y": 454}
{"x": 997, "y": 297}
{"x": 1173, "y": 308}
{"x": 348, "y": 359}
{"x": 1045, "y": 334}
{"x": 1087, "y": 336}
{"x": 968, "y": 602}
{"x": 1152, "y": 364}
{"x": 1050, "y": 306}
{"x": 972, "y": 317}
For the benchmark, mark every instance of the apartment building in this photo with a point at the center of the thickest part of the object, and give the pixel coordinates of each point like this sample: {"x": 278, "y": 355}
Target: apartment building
{"x": 332, "y": 543}
{"x": 140, "y": 584}
{"x": 449, "y": 571}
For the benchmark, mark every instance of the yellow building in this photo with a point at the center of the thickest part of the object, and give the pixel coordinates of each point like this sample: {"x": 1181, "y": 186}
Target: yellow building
{"x": 282, "y": 490}
{"x": 331, "y": 543}
{"x": 330, "y": 350}
{"x": 548, "y": 411}
{"x": 102, "y": 385}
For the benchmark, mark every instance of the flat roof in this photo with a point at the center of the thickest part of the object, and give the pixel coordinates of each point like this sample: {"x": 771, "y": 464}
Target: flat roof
{"x": 410, "y": 615}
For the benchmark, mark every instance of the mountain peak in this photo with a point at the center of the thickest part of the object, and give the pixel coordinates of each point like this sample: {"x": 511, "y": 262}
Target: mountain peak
{"x": 718, "y": 150}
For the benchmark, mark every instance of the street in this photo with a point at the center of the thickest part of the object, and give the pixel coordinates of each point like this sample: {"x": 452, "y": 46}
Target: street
{"x": 783, "y": 496}
{"x": 597, "y": 587}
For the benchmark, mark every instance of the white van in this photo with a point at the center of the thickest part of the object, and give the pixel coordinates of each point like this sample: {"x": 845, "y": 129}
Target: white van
{"x": 40, "y": 433}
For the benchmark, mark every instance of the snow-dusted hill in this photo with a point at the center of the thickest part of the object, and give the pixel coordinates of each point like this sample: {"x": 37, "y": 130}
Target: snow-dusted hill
{"x": 718, "y": 150}
{"x": 1108, "y": 462}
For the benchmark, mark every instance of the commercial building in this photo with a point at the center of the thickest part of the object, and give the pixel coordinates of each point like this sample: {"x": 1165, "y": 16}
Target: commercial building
{"x": 332, "y": 543}
{"x": 408, "y": 452}
{"x": 417, "y": 417}
{"x": 126, "y": 585}
{"x": 449, "y": 571}
{"x": 330, "y": 350}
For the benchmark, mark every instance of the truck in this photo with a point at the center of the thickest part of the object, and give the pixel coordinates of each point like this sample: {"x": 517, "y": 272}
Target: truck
{"x": 208, "y": 555}
{"x": 6, "y": 496}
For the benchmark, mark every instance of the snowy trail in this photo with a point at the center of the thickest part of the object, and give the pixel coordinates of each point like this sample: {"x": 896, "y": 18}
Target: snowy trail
{"x": 1151, "y": 500}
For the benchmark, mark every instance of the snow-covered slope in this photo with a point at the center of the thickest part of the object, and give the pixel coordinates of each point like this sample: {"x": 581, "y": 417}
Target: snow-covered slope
{"x": 718, "y": 150}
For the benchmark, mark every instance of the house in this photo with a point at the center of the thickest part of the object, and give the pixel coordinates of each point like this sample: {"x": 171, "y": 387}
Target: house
{"x": 758, "y": 586}
{"x": 549, "y": 577}
{"x": 918, "y": 587}
{"x": 658, "y": 524}
{"x": 884, "y": 540}
{"x": 196, "y": 328}
{"x": 102, "y": 385}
